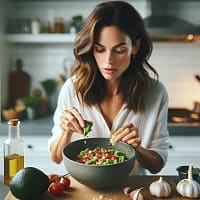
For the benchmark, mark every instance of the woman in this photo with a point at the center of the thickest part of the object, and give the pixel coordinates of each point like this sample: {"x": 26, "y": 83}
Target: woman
{"x": 112, "y": 87}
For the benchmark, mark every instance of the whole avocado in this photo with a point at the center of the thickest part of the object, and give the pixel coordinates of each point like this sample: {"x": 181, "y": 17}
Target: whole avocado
{"x": 29, "y": 184}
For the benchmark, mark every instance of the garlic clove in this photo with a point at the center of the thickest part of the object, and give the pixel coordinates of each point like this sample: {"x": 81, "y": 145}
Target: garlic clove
{"x": 127, "y": 190}
{"x": 136, "y": 194}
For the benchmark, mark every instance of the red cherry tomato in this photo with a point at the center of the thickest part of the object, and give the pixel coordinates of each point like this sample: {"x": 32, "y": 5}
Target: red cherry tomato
{"x": 84, "y": 160}
{"x": 96, "y": 151}
{"x": 103, "y": 150}
{"x": 65, "y": 182}
{"x": 90, "y": 155}
{"x": 108, "y": 156}
{"x": 54, "y": 178}
{"x": 114, "y": 157}
{"x": 56, "y": 188}
{"x": 99, "y": 156}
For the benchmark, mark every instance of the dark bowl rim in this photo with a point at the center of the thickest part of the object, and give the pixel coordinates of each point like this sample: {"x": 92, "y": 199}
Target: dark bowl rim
{"x": 185, "y": 172}
{"x": 97, "y": 166}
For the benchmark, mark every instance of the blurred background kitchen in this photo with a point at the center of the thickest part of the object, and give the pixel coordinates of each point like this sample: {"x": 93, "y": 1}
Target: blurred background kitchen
{"x": 36, "y": 44}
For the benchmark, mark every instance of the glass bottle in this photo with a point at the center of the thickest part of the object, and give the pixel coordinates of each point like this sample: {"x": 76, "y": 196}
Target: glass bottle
{"x": 58, "y": 25}
{"x": 47, "y": 28}
{"x": 35, "y": 26}
{"x": 13, "y": 151}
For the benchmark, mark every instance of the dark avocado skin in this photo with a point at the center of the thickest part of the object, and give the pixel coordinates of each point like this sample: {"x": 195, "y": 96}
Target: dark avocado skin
{"x": 29, "y": 184}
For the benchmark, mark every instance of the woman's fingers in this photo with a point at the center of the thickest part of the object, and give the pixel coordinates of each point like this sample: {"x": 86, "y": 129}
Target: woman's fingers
{"x": 135, "y": 142}
{"x": 122, "y": 129}
{"x": 78, "y": 116}
{"x": 121, "y": 132}
{"x": 66, "y": 126}
{"x": 128, "y": 134}
{"x": 72, "y": 120}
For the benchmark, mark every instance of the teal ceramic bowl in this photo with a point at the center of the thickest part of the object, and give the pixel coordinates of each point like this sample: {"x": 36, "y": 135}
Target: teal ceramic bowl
{"x": 104, "y": 176}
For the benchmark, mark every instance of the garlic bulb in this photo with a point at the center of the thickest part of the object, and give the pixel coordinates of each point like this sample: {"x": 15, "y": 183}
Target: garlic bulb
{"x": 188, "y": 187}
{"x": 160, "y": 188}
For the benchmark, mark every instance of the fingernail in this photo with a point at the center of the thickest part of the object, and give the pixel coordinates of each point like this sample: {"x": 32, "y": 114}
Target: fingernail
{"x": 82, "y": 124}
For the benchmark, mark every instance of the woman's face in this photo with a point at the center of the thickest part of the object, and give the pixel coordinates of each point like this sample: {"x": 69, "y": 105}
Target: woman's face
{"x": 112, "y": 51}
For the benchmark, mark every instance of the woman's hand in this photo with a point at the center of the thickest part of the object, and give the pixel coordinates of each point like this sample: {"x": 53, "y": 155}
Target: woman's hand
{"x": 72, "y": 121}
{"x": 128, "y": 134}
{"x": 148, "y": 159}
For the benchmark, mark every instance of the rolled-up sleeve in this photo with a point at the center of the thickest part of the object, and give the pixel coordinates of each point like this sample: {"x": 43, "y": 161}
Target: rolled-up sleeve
{"x": 155, "y": 134}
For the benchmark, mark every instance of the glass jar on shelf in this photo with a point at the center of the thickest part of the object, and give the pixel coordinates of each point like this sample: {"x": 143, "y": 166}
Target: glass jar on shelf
{"x": 35, "y": 26}
{"x": 58, "y": 25}
{"x": 47, "y": 27}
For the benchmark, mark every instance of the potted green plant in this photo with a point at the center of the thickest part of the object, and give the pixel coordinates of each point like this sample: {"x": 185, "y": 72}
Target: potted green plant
{"x": 49, "y": 86}
{"x": 31, "y": 102}
{"x": 77, "y": 22}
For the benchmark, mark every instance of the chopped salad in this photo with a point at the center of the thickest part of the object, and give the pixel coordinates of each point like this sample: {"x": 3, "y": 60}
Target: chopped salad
{"x": 101, "y": 156}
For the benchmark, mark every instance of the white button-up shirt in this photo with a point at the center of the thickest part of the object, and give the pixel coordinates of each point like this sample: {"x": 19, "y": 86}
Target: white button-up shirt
{"x": 151, "y": 124}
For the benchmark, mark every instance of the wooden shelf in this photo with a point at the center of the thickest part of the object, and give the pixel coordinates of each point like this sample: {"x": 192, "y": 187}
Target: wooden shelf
{"x": 40, "y": 38}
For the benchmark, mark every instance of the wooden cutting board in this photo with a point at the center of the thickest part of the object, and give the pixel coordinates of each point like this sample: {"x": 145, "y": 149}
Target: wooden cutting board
{"x": 19, "y": 83}
{"x": 79, "y": 191}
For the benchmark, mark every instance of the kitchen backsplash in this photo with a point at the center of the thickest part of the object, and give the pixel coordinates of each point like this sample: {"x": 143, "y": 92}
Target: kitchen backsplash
{"x": 44, "y": 62}
{"x": 176, "y": 63}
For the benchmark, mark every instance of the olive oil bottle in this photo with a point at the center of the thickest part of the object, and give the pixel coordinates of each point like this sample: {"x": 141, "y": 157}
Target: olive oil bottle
{"x": 13, "y": 151}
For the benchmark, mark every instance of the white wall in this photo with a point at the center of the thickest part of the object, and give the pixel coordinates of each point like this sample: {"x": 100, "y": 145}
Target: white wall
{"x": 4, "y": 53}
{"x": 176, "y": 62}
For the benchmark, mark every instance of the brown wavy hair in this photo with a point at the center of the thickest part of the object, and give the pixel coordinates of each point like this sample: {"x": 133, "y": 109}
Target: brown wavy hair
{"x": 135, "y": 81}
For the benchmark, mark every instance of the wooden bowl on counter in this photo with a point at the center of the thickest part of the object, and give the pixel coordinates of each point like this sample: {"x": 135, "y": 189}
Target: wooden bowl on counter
{"x": 13, "y": 114}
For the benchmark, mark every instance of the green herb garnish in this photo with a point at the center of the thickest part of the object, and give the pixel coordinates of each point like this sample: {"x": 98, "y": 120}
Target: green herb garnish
{"x": 87, "y": 128}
